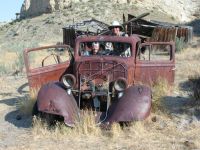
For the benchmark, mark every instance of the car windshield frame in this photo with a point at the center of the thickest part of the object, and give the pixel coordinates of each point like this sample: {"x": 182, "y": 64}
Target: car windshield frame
{"x": 132, "y": 40}
{"x": 105, "y": 48}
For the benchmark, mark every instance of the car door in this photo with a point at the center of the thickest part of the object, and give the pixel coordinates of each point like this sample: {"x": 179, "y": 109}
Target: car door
{"x": 45, "y": 64}
{"x": 155, "y": 60}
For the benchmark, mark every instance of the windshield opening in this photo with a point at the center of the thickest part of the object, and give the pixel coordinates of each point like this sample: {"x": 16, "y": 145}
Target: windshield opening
{"x": 108, "y": 48}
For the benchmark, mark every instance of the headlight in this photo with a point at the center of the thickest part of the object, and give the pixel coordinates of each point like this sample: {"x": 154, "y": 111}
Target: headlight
{"x": 68, "y": 80}
{"x": 120, "y": 84}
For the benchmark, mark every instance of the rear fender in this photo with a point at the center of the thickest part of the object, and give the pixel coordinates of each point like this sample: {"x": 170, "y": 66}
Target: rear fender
{"x": 53, "y": 99}
{"x": 135, "y": 104}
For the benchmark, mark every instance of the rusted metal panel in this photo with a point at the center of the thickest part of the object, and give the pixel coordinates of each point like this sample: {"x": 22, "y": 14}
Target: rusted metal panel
{"x": 167, "y": 34}
{"x": 55, "y": 100}
{"x": 163, "y": 34}
{"x": 39, "y": 76}
{"x": 135, "y": 104}
{"x": 160, "y": 31}
{"x": 94, "y": 69}
{"x": 119, "y": 65}
{"x": 149, "y": 71}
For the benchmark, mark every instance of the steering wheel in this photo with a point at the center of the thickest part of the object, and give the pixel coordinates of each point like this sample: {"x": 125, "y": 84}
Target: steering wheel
{"x": 55, "y": 56}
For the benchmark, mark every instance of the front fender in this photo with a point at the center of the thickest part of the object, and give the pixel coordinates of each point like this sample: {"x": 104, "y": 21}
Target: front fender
{"x": 135, "y": 104}
{"x": 53, "y": 99}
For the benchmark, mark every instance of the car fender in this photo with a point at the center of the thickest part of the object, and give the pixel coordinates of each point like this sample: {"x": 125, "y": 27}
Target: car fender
{"x": 54, "y": 99}
{"x": 135, "y": 104}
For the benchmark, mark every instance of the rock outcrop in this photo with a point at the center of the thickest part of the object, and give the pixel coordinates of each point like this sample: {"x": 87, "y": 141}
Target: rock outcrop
{"x": 183, "y": 10}
{"x": 37, "y": 7}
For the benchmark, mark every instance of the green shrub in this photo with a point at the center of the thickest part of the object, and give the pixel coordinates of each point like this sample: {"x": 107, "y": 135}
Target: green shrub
{"x": 180, "y": 44}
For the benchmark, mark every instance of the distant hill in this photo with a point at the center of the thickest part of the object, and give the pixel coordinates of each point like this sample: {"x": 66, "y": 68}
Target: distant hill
{"x": 183, "y": 10}
{"x": 43, "y": 28}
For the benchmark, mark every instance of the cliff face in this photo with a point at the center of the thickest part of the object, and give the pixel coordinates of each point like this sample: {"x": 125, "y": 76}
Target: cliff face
{"x": 182, "y": 10}
{"x": 37, "y": 7}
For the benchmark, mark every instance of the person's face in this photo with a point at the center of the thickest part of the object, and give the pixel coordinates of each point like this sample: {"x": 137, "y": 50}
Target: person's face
{"x": 95, "y": 48}
{"x": 116, "y": 30}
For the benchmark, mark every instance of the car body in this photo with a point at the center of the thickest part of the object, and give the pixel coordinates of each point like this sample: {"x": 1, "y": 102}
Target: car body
{"x": 115, "y": 85}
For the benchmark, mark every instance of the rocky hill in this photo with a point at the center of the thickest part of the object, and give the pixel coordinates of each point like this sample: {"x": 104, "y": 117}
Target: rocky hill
{"x": 183, "y": 10}
{"x": 42, "y": 21}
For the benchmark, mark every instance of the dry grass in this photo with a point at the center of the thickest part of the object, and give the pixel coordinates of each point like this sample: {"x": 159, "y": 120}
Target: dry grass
{"x": 160, "y": 134}
{"x": 11, "y": 62}
{"x": 25, "y": 105}
{"x": 37, "y": 57}
{"x": 188, "y": 67}
{"x": 187, "y": 63}
{"x": 160, "y": 89}
{"x": 34, "y": 93}
{"x": 86, "y": 125}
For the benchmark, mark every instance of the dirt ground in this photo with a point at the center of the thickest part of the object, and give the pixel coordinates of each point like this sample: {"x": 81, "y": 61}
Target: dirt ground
{"x": 12, "y": 131}
{"x": 177, "y": 129}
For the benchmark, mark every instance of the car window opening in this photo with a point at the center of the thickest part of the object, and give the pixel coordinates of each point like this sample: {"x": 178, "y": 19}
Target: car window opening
{"x": 105, "y": 48}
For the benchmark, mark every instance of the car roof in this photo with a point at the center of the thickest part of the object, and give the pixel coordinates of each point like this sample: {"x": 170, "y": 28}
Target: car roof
{"x": 110, "y": 38}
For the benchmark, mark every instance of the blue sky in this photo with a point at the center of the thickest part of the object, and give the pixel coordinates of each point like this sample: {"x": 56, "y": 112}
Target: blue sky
{"x": 8, "y": 8}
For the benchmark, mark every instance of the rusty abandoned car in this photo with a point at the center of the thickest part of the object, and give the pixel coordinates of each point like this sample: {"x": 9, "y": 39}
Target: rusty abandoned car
{"x": 114, "y": 82}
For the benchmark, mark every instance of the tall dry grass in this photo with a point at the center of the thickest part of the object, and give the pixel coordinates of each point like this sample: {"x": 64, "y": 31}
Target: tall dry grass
{"x": 139, "y": 135}
{"x": 187, "y": 63}
{"x": 86, "y": 126}
{"x": 188, "y": 69}
{"x": 25, "y": 104}
{"x": 160, "y": 89}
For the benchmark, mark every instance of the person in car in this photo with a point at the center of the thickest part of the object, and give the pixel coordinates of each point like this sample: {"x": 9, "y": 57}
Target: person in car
{"x": 95, "y": 48}
{"x": 85, "y": 53}
{"x": 119, "y": 49}
{"x": 116, "y": 29}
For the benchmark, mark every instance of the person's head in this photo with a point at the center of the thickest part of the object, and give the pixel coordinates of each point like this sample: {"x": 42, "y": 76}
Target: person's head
{"x": 95, "y": 47}
{"x": 109, "y": 46}
{"x": 116, "y": 27}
